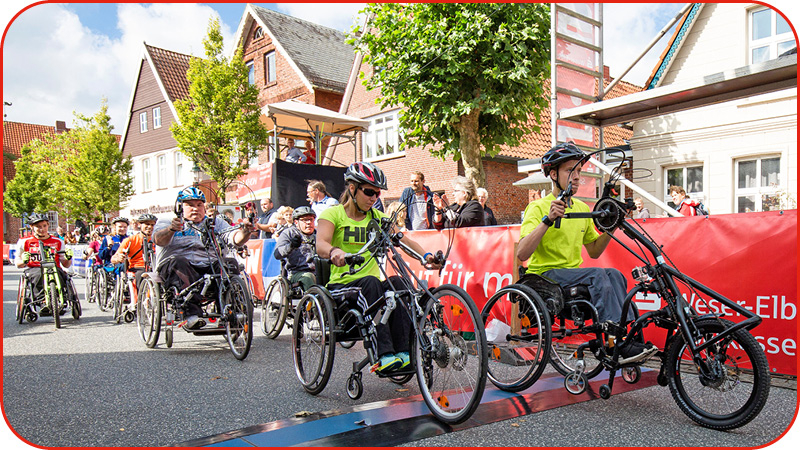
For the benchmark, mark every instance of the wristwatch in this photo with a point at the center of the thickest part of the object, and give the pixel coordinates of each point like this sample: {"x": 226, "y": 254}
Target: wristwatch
{"x": 546, "y": 220}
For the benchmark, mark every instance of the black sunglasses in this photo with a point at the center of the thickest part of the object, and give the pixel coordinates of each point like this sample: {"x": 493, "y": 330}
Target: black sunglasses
{"x": 370, "y": 192}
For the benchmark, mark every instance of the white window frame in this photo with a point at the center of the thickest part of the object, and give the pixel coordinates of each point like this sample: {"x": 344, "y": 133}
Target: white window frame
{"x": 143, "y": 122}
{"x": 382, "y": 130}
{"x": 251, "y": 72}
{"x": 694, "y": 195}
{"x": 770, "y": 42}
{"x": 156, "y": 117}
{"x": 757, "y": 192}
{"x": 161, "y": 170}
{"x": 180, "y": 166}
{"x": 147, "y": 176}
{"x": 270, "y": 67}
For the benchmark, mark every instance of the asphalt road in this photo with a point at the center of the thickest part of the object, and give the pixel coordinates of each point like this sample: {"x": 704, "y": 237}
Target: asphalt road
{"x": 94, "y": 383}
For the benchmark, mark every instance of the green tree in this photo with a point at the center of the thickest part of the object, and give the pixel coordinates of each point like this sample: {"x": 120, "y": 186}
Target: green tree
{"x": 219, "y": 124}
{"x": 31, "y": 189}
{"x": 468, "y": 76}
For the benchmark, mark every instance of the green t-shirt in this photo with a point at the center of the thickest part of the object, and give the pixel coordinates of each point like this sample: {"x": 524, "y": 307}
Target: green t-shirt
{"x": 560, "y": 248}
{"x": 350, "y": 236}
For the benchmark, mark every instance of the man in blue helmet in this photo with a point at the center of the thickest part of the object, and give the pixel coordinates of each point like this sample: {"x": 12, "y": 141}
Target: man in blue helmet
{"x": 182, "y": 257}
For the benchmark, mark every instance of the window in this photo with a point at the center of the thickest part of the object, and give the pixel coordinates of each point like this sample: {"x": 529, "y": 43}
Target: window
{"x": 156, "y": 117}
{"x": 146, "y": 176}
{"x": 180, "y": 169}
{"x": 269, "y": 67}
{"x": 383, "y": 138}
{"x": 258, "y": 34}
{"x": 757, "y": 184}
{"x": 251, "y": 73}
{"x": 690, "y": 178}
{"x": 143, "y": 122}
{"x": 161, "y": 161}
{"x": 770, "y": 35}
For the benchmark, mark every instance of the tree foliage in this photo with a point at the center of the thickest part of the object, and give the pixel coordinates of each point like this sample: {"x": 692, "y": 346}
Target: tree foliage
{"x": 219, "y": 126}
{"x": 467, "y": 75}
{"x": 80, "y": 173}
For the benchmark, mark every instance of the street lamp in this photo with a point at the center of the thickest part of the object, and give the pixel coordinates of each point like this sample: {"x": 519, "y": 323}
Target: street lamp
{"x": 196, "y": 172}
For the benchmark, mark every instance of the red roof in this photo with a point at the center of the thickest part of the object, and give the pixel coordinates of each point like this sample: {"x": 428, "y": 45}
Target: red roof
{"x": 171, "y": 68}
{"x": 15, "y": 136}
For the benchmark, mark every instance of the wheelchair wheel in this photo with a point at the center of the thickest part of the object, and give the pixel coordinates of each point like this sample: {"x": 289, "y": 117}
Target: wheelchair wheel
{"x": 22, "y": 297}
{"x": 119, "y": 297}
{"x": 75, "y": 301}
{"x": 567, "y": 335}
{"x": 518, "y": 333}
{"x": 313, "y": 340}
{"x": 104, "y": 300}
{"x": 238, "y": 318}
{"x": 54, "y": 303}
{"x": 148, "y": 312}
{"x": 451, "y": 354}
{"x": 274, "y": 308}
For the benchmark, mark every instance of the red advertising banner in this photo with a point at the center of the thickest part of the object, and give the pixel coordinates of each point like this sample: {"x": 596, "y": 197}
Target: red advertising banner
{"x": 259, "y": 180}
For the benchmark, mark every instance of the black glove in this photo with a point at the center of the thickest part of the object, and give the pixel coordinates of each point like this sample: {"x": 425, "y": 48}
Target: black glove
{"x": 295, "y": 241}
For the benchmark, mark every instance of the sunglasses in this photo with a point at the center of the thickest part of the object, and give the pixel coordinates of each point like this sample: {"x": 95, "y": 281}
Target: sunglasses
{"x": 370, "y": 192}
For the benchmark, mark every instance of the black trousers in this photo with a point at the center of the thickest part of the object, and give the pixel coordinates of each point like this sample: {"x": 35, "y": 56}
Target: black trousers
{"x": 395, "y": 336}
{"x": 179, "y": 272}
{"x": 35, "y": 275}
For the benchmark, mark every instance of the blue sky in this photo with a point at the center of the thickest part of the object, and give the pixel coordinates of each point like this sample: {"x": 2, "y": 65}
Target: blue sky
{"x": 64, "y": 57}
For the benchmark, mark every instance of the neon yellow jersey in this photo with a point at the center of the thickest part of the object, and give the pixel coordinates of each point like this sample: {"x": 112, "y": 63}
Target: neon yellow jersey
{"x": 350, "y": 236}
{"x": 560, "y": 248}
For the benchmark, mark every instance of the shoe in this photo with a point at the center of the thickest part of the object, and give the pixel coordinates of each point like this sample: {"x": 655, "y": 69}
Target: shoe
{"x": 405, "y": 358}
{"x": 636, "y": 352}
{"x": 388, "y": 363}
{"x": 194, "y": 322}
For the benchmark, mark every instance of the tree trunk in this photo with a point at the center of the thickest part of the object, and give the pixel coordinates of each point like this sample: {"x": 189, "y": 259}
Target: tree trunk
{"x": 471, "y": 148}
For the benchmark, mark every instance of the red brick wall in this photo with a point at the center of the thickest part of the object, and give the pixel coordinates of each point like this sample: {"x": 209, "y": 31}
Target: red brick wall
{"x": 506, "y": 200}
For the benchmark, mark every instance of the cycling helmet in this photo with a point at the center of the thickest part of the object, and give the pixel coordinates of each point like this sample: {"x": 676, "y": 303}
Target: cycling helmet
{"x": 191, "y": 193}
{"x": 147, "y": 218}
{"x": 303, "y": 211}
{"x": 120, "y": 219}
{"x": 559, "y": 154}
{"x": 366, "y": 173}
{"x": 34, "y": 218}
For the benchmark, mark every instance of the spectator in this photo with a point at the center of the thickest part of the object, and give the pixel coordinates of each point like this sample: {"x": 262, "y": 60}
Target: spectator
{"x": 488, "y": 214}
{"x": 60, "y": 233}
{"x": 310, "y": 153}
{"x": 281, "y": 220}
{"x": 641, "y": 211}
{"x": 69, "y": 238}
{"x": 399, "y": 209}
{"x": 250, "y": 214}
{"x": 211, "y": 210}
{"x": 464, "y": 212}
{"x": 418, "y": 200}
{"x": 318, "y": 197}
{"x": 294, "y": 154}
{"x": 92, "y": 250}
{"x": 134, "y": 228}
{"x": 267, "y": 210}
{"x": 683, "y": 204}
{"x": 227, "y": 215}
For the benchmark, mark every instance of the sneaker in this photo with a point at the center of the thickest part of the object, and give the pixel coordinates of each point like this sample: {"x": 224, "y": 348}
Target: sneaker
{"x": 405, "y": 358}
{"x": 388, "y": 363}
{"x": 194, "y": 322}
{"x": 635, "y": 352}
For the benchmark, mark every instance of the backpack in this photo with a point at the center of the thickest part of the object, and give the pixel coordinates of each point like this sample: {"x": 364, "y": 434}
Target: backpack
{"x": 701, "y": 209}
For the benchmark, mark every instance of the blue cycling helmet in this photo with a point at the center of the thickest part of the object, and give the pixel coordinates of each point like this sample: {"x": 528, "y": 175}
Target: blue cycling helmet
{"x": 191, "y": 193}
{"x": 35, "y": 218}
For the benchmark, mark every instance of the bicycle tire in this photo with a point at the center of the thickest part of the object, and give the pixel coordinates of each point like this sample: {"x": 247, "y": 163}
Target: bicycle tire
{"x": 55, "y": 306}
{"x": 520, "y": 351}
{"x": 102, "y": 289}
{"x": 274, "y": 308}
{"x": 75, "y": 301}
{"x": 313, "y": 340}
{"x": 239, "y": 318}
{"x": 451, "y": 370}
{"x": 728, "y": 389}
{"x": 148, "y": 312}
{"x": 21, "y": 297}
{"x": 119, "y": 297}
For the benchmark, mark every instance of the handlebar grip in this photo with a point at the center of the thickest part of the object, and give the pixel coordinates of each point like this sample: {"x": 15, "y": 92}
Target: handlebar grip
{"x": 557, "y": 223}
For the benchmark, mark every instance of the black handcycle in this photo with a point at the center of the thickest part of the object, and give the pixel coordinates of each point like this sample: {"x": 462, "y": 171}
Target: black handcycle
{"x": 716, "y": 371}
{"x": 226, "y": 299}
{"x": 448, "y": 343}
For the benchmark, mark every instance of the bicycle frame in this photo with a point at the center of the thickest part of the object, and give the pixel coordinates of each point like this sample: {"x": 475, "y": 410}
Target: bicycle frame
{"x": 50, "y": 273}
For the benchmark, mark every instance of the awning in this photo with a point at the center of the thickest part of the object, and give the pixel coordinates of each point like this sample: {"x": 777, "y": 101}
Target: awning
{"x": 535, "y": 180}
{"x": 301, "y": 120}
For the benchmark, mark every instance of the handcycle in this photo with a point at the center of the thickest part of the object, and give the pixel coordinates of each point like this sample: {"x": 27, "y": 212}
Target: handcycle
{"x": 279, "y": 303}
{"x": 56, "y": 299}
{"x": 448, "y": 343}
{"x": 103, "y": 284}
{"x": 225, "y": 299}
{"x": 716, "y": 371}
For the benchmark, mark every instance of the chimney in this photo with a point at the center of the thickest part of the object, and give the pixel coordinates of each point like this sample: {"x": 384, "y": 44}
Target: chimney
{"x": 61, "y": 126}
{"x": 606, "y": 73}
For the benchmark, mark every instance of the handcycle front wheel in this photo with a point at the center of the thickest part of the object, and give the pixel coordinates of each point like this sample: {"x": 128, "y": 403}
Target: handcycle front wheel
{"x": 239, "y": 318}
{"x": 313, "y": 340}
{"x": 733, "y": 386}
{"x": 274, "y": 308}
{"x": 55, "y": 304}
{"x": 518, "y": 330}
{"x": 148, "y": 312}
{"x": 450, "y": 354}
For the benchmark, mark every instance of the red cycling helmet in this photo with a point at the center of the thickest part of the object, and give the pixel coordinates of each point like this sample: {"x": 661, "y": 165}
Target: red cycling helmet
{"x": 366, "y": 173}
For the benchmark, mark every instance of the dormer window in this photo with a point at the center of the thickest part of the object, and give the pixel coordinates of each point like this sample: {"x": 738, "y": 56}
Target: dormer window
{"x": 259, "y": 33}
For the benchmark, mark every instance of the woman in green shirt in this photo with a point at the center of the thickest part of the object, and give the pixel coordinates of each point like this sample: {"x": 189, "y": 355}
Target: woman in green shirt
{"x": 342, "y": 229}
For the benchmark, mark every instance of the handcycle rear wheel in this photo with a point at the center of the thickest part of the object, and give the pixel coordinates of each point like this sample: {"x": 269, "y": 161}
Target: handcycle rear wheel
{"x": 148, "y": 312}
{"x": 274, "y": 308}
{"x": 518, "y": 324}
{"x": 55, "y": 306}
{"x": 567, "y": 335}
{"x": 451, "y": 355}
{"x": 104, "y": 300}
{"x": 75, "y": 302}
{"x": 22, "y": 296}
{"x": 736, "y": 386}
{"x": 120, "y": 292}
{"x": 239, "y": 318}
{"x": 313, "y": 340}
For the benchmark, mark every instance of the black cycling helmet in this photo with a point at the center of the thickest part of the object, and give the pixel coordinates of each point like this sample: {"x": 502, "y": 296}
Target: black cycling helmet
{"x": 35, "y": 218}
{"x": 120, "y": 219}
{"x": 147, "y": 218}
{"x": 560, "y": 154}
{"x": 366, "y": 173}
{"x": 191, "y": 193}
{"x": 303, "y": 211}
